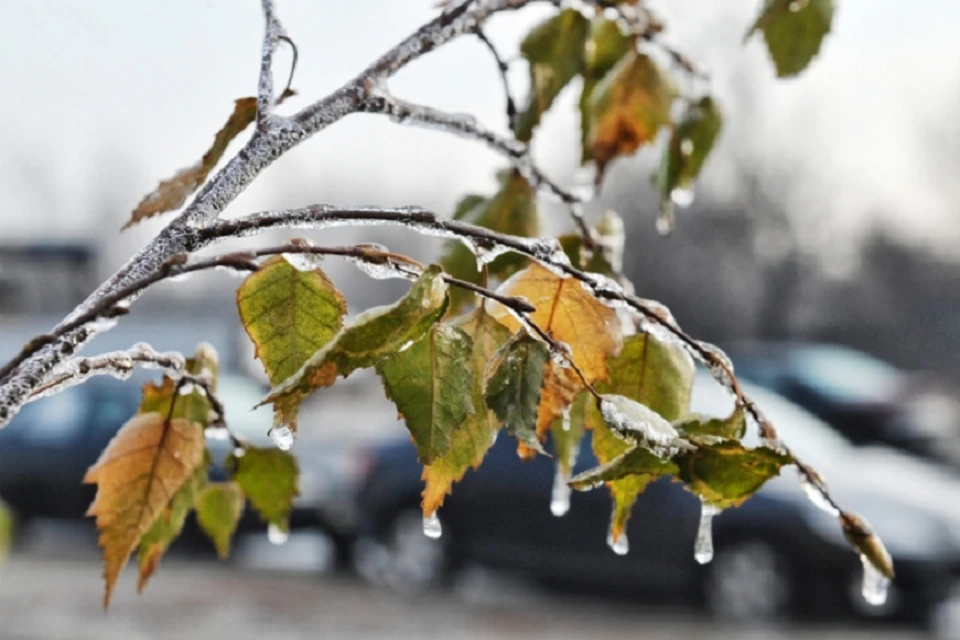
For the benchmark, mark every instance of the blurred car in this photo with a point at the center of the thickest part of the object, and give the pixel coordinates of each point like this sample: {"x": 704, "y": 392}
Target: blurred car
{"x": 776, "y": 555}
{"x": 867, "y": 400}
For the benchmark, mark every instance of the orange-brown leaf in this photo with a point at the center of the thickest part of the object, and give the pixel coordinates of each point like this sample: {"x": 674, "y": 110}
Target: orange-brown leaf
{"x": 137, "y": 475}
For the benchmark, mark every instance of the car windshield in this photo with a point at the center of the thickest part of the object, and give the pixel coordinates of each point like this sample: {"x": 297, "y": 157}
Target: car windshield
{"x": 808, "y": 436}
{"x": 239, "y": 395}
{"x": 845, "y": 375}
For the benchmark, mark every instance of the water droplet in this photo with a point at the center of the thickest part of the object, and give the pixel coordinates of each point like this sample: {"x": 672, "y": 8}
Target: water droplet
{"x": 239, "y": 452}
{"x": 798, "y": 5}
{"x": 620, "y": 545}
{"x": 875, "y": 584}
{"x": 560, "y": 499}
{"x": 686, "y": 146}
{"x": 283, "y": 437}
{"x": 304, "y": 261}
{"x": 703, "y": 547}
{"x": 182, "y": 277}
{"x": 682, "y": 197}
{"x": 665, "y": 219}
{"x": 217, "y": 433}
{"x": 431, "y": 526}
{"x": 277, "y": 535}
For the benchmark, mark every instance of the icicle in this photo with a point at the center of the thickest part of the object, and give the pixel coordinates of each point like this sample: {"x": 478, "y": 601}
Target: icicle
{"x": 217, "y": 433}
{"x": 431, "y": 526}
{"x": 620, "y": 544}
{"x": 703, "y": 547}
{"x": 560, "y": 499}
{"x": 875, "y": 584}
{"x": 486, "y": 256}
{"x": 282, "y": 436}
{"x": 277, "y": 535}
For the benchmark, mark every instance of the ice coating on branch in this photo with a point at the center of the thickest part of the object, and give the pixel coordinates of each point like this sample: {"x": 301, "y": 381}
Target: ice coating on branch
{"x": 276, "y": 534}
{"x": 560, "y": 496}
{"x": 218, "y": 434}
{"x": 620, "y": 545}
{"x": 635, "y": 422}
{"x": 875, "y": 585}
{"x": 389, "y": 269}
{"x": 283, "y": 437}
{"x": 703, "y": 546}
{"x": 432, "y": 527}
{"x": 486, "y": 256}
{"x": 816, "y": 495}
{"x": 304, "y": 261}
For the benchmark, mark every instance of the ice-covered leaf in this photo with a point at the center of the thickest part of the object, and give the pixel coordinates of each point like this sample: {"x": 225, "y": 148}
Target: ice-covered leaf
{"x": 635, "y": 461}
{"x": 627, "y": 108}
{"x": 690, "y": 142}
{"x": 604, "y": 48}
{"x": 571, "y": 315}
{"x": 651, "y": 372}
{"x": 431, "y": 383}
{"x": 635, "y": 422}
{"x": 514, "y": 389}
{"x": 173, "y": 192}
{"x": 732, "y": 427}
{"x": 270, "y": 480}
{"x": 513, "y": 210}
{"x": 555, "y": 51}
{"x": 146, "y": 463}
{"x": 167, "y": 527}
{"x": 794, "y": 31}
{"x": 219, "y": 507}
{"x": 289, "y": 314}
{"x": 582, "y": 258}
{"x": 470, "y": 442}
{"x": 726, "y": 473}
{"x": 371, "y": 337}
{"x": 190, "y": 400}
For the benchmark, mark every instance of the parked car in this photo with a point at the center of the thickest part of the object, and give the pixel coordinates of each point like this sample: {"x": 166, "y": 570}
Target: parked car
{"x": 867, "y": 400}
{"x": 775, "y": 555}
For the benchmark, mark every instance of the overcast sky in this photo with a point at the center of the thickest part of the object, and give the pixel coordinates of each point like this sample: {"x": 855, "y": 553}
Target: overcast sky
{"x": 102, "y": 99}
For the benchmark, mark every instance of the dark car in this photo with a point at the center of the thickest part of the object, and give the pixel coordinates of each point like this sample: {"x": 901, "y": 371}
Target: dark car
{"x": 776, "y": 554}
{"x": 866, "y": 399}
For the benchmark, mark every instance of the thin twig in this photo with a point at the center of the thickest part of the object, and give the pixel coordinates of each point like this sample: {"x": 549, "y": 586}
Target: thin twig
{"x": 503, "y": 67}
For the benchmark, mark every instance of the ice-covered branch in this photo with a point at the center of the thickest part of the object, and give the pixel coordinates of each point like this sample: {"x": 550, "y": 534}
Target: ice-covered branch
{"x": 504, "y": 68}
{"x": 272, "y": 33}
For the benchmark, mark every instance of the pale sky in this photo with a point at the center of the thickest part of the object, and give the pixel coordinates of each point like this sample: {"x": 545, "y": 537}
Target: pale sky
{"x": 103, "y": 99}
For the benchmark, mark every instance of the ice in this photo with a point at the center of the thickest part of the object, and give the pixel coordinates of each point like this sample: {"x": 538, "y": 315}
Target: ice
{"x": 816, "y": 495}
{"x": 875, "y": 584}
{"x": 239, "y": 452}
{"x": 635, "y": 422}
{"x": 180, "y": 277}
{"x": 620, "y": 544}
{"x": 230, "y": 271}
{"x": 304, "y": 261}
{"x": 612, "y": 238}
{"x": 277, "y": 535}
{"x": 682, "y": 197}
{"x": 431, "y": 526}
{"x": 217, "y": 433}
{"x": 665, "y": 219}
{"x": 798, "y": 5}
{"x": 686, "y": 146}
{"x": 486, "y": 256}
{"x": 703, "y": 547}
{"x": 282, "y": 436}
{"x": 560, "y": 498}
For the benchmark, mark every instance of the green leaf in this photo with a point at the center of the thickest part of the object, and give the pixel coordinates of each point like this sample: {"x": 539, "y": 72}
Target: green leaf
{"x": 793, "y": 31}
{"x": 726, "y": 473}
{"x": 638, "y": 465}
{"x": 513, "y": 210}
{"x": 371, "y": 337}
{"x": 219, "y": 507}
{"x": 627, "y": 108}
{"x": 191, "y": 404}
{"x": 555, "y": 51}
{"x": 732, "y": 427}
{"x": 688, "y": 147}
{"x": 567, "y": 434}
{"x": 289, "y": 314}
{"x": 514, "y": 389}
{"x": 269, "y": 479}
{"x": 593, "y": 261}
{"x": 650, "y": 372}
{"x": 431, "y": 384}
{"x": 6, "y": 531}
{"x": 605, "y": 47}
{"x": 469, "y": 443}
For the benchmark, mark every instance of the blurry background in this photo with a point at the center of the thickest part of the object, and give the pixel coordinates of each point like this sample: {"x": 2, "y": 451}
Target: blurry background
{"x": 826, "y": 215}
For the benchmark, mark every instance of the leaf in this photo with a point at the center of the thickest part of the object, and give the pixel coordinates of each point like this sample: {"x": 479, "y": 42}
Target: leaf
{"x": 270, "y": 480}
{"x": 554, "y": 50}
{"x": 168, "y": 526}
{"x": 431, "y": 386}
{"x": 688, "y": 147}
{"x": 145, "y": 464}
{"x": 650, "y": 372}
{"x": 604, "y": 48}
{"x": 191, "y": 401}
{"x": 733, "y": 427}
{"x": 593, "y": 261}
{"x": 513, "y": 210}
{"x": 636, "y": 463}
{"x": 219, "y": 507}
{"x": 726, "y": 473}
{"x": 6, "y": 531}
{"x": 793, "y": 31}
{"x": 572, "y": 315}
{"x": 289, "y": 314}
{"x": 173, "y": 192}
{"x": 567, "y": 432}
{"x": 513, "y": 392}
{"x": 371, "y": 337}
{"x": 469, "y": 443}
{"x": 627, "y": 108}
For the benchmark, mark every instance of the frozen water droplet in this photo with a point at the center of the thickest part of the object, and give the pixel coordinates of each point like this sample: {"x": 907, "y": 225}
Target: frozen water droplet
{"x": 180, "y": 277}
{"x": 560, "y": 499}
{"x": 797, "y": 5}
{"x": 304, "y": 261}
{"x": 431, "y": 526}
{"x": 703, "y": 547}
{"x": 283, "y": 437}
{"x": 682, "y": 197}
{"x": 277, "y": 535}
{"x": 217, "y": 433}
{"x": 875, "y": 584}
{"x": 620, "y": 545}
{"x": 686, "y": 146}
{"x": 239, "y": 452}
{"x": 665, "y": 219}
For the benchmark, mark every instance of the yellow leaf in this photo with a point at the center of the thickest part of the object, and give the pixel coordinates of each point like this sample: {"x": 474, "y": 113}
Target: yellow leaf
{"x": 137, "y": 475}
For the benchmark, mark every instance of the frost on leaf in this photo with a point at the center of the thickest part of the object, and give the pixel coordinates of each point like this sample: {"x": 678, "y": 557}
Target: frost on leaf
{"x": 431, "y": 387}
{"x": 470, "y": 442}
{"x": 219, "y": 507}
{"x": 289, "y": 314}
{"x": 514, "y": 389}
{"x": 146, "y": 463}
{"x": 627, "y": 109}
{"x": 570, "y": 314}
{"x": 635, "y": 422}
{"x": 372, "y": 336}
{"x": 554, "y": 51}
{"x": 794, "y": 31}
{"x": 173, "y": 192}
{"x": 604, "y": 48}
{"x": 269, "y": 478}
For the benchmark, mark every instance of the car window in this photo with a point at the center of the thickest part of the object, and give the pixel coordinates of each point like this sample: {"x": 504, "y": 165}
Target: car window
{"x": 845, "y": 375}
{"x": 58, "y": 418}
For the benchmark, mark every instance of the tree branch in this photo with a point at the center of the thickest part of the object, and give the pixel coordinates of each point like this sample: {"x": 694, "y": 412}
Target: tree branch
{"x": 503, "y": 67}
{"x": 272, "y": 33}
